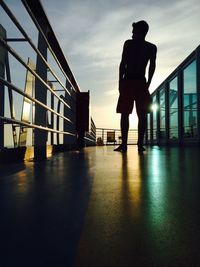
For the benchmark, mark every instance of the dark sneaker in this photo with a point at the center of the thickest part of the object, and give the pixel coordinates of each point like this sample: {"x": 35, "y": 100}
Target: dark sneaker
{"x": 121, "y": 148}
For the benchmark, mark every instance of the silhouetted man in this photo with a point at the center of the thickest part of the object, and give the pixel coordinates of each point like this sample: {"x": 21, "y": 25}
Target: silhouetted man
{"x": 132, "y": 82}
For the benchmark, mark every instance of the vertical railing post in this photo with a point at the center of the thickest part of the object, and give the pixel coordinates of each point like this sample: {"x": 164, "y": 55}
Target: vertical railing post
{"x": 40, "y": 137}
{"x": 158, "y": 117}
{"x": 70, "y": 140}
{"x": 2, "y": 87}
{"x": 82, "y": 116}
{"x": 198, "y": 90}
{"x": 180, "y": 107}
{"x": 52, "y": 116}
{"x": 166, "y": 86}
{"x": 151, "y": 128}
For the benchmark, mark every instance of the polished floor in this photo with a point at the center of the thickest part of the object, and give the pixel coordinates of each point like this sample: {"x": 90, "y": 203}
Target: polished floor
{"x": 102, "y": 208}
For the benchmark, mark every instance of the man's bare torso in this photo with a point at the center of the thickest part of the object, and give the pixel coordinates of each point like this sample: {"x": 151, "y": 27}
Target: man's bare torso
{"x": 136, "y": 54}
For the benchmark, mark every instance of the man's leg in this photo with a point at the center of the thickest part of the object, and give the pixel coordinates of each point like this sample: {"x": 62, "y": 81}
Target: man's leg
{"x": 124, "y": 128}
{"x": 142, "y": 123}
{"x": 124, "y": 123}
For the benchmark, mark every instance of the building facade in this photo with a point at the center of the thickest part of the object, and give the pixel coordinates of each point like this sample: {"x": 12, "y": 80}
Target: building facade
{"x": 175, "y": 115}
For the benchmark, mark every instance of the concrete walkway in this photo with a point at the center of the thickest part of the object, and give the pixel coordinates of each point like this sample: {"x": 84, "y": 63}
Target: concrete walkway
{"x": 102, "y": 208}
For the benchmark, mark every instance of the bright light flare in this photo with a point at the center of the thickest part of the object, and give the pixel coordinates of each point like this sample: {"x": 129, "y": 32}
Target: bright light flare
{"x": 154, "y": 107}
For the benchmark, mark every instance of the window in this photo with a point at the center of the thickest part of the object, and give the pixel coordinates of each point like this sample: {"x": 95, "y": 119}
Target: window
{"x": 162, "y": 113}
{"x": 154, "y": 118}
{"x": 148, "y": 127}
{"x": 190, "y": 101}
{"x": 173, "y": 109}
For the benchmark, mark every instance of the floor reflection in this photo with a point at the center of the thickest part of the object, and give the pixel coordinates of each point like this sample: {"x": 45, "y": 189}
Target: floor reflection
{"x": 131, "y": 182}
{"x": 125, "y": 209}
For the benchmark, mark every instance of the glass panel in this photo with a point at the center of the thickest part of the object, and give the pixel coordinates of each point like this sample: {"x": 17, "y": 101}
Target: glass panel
{"x": 148, "y": 127}
{"x": 154, "y": 106}
{"x": 190, "y": 101}
{"x": 173, "y": 109}
{"x": 162, "y": 113}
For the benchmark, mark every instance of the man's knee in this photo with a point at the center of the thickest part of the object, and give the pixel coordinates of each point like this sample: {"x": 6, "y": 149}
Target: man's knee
{"x": 124, "y": 115}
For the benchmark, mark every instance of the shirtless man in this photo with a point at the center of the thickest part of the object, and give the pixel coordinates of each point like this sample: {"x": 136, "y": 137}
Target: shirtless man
{"x": 132, "y": 82}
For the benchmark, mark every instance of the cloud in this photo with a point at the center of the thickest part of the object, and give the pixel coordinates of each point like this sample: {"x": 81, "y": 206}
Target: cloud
{"x": 92, "y": 34}
{"x": 111, "y": 92}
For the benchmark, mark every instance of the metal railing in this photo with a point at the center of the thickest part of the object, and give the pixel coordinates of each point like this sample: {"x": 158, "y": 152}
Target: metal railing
{"x": 90, "y": 137}
{"x": 106, "y": 136}
{"x": 37, "y": 87}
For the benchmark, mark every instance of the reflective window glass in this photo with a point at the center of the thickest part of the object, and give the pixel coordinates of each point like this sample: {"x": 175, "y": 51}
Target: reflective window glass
{"x": 154, "y": 107}
{"x": 190, "y": 101}
{"x": 173, "y": 109}
{"x": 148, "y": 127}
{"x": 162, "y": 113}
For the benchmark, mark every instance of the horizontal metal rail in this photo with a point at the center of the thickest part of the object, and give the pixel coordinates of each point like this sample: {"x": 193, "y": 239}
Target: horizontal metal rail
{"x": 32, "y": 71}
{"x": 23, "y": 32}
{"x": 9, "y": 120}
{"x": 90, "y": 138}
{"x": 93, "y": 135}
{"x": 13, "y": 87}
{"x": 102, "y": 134}
{"x": 45, "y": 114}
{"x": 27, "y": 6}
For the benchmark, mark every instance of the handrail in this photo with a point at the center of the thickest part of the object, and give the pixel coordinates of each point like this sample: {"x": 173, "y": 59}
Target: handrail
{"x": 101, "y": 136}
{"x": 9, "y": 120}
{"x": 32, "y": 71}
{"x": 39, "y": 105}
{"x": 23, "y": 32}
{"x": 32, "y": 99}
{"x": 32, "y": 8}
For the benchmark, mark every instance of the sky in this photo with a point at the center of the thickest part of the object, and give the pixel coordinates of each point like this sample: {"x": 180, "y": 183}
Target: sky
{"x": 92, "y": 33}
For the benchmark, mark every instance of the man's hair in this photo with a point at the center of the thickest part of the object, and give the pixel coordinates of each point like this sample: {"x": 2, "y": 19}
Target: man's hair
{"x": 141, "y": 26}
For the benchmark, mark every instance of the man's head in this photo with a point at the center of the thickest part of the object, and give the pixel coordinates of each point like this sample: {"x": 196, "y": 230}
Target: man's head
{"x": 140, "y": 28}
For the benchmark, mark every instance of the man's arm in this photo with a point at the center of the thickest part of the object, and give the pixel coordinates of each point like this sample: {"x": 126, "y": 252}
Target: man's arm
{"x": 152, "y": 65}
{"x": 123, "y": 62}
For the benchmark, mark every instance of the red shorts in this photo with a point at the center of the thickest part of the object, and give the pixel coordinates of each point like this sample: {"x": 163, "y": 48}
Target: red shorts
{"x": 130, "y": 91}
